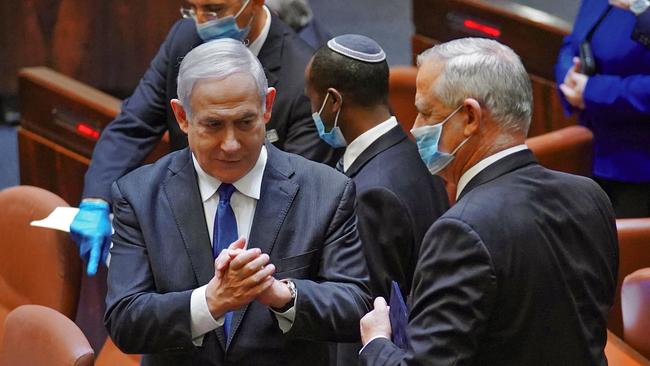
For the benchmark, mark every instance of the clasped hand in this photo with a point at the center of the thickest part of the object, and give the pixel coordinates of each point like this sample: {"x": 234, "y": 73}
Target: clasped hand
{"x": 574, "y": 85}
{"x": 241, "y": 276}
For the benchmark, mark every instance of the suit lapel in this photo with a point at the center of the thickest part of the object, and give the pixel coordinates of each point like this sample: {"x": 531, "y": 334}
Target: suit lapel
{"x": 394, "y": 136}
{"x": 499, "y": 168}
{"x": 182, "y": 191}
{"x": 276, "y": 196}
{"x": 271, "y": 51}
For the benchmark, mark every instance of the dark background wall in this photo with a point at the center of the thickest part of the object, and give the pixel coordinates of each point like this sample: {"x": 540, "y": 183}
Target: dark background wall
{"x": 109, "y": 43}
{"x": 106, "y": 44}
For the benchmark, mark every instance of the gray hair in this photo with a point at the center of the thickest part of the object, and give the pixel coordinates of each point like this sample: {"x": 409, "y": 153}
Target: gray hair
{"x": 487, "y": 71}
{"x": 218, "y": 60}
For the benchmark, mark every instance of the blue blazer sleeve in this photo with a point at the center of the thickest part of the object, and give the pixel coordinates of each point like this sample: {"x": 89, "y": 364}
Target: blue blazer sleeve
{"x": 627, "y": 95}
{"x": 128, "y": 139}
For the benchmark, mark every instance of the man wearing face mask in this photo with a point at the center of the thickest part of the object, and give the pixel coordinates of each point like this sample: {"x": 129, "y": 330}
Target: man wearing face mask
{"x": 397, "y": 199}
{"x": 146, "y": 115}
{"x": 522, "y": 269}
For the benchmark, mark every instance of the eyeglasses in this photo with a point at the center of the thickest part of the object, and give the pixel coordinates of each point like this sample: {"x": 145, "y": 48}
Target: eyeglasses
{"x": 189, "y": 13}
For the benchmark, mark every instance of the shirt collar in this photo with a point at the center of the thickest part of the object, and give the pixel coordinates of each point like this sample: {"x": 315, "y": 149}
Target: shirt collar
{"x": 249, "y": 185}
{"x": 361, "y": 143}
{"x": 481, "y": 165}
{"x": 256, "y": 46}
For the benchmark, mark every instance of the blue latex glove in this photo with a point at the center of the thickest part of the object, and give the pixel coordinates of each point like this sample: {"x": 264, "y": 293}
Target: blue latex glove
{"x": 91, "y": 230}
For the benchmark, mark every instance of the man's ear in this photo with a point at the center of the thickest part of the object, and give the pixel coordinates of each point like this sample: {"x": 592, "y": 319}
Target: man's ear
{"x": 179, "y": 113}
{"x": 268, "y": 104}
{"x": 336, "y": 98}
{"x": 474, "y": 116}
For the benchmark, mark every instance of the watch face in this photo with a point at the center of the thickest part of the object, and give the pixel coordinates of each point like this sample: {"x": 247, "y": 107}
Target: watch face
{"x": 639, "y": 6}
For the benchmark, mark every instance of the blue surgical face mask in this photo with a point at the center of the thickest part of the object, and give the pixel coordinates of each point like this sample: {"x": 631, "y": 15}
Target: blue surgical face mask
{"x": 335, "y": 137}
{"x": 225, "y": 27}
{"x": 427, "y": 138}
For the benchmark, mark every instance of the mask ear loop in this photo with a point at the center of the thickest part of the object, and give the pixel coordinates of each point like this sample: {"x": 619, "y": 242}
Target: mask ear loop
{"x": 464, "y": 141}
{"x": 451, "y": 115}
{"x": 461, "y": 145}
{"x": 242, "y": 9}
{"x": 246, "y": 41}
{"x": 336, "y": 119}
{"x": 324, "y": 101}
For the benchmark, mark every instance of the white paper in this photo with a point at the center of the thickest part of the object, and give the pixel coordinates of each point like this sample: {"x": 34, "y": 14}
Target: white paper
{"x": 59, "y": 219}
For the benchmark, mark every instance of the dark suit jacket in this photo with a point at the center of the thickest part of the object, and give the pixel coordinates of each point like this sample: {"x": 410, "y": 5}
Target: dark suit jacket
{"x": 304, "y": 220}
{"x": 397, "y": 201}
{"x": 147, "y": 114}
{"x": 521, "y": 271}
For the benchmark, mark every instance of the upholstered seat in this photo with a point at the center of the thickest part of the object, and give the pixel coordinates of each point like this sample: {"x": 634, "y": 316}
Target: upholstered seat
{"x": 635, "y": 302}
{"x": 36, "y": 335}
{"x": 37, "y": 265}
{"x": 634, "y": 254}
{"x": 567, "y": 150}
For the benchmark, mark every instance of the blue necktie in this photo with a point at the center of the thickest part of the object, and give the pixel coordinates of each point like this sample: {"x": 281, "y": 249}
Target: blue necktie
{"x": 224, "y": 233}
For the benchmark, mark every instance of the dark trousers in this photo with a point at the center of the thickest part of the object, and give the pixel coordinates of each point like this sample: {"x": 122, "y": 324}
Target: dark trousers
{"x": 628, "y": 199}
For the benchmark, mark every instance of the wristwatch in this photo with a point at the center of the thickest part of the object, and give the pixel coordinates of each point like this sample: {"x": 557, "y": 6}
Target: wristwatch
{"x": 639, "y": 6}
{"x": 292, "y": 290}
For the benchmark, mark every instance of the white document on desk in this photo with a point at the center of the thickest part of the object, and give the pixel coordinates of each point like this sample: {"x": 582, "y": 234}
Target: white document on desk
{"x": 59, "y": 219}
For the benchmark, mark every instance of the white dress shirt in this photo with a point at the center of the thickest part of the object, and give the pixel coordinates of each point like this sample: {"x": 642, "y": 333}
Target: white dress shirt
{"x": 257, "y": 44}
{"x": 478, "y": 167}
{"x": 243, "y": 203}
{"x": 361, "y": 143}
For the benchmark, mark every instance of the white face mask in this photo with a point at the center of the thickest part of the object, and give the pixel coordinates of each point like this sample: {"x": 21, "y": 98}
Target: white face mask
{"x": 335, "y": 137}
{"x": 427, "y": 138}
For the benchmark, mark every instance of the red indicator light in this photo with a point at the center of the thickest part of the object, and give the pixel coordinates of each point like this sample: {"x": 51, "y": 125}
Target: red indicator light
{"x": 485, "y": 29}
{"x": 85, "y": 130}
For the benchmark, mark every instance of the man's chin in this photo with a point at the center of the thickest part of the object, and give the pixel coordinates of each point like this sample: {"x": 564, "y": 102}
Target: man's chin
{"x": 228, "y": 171}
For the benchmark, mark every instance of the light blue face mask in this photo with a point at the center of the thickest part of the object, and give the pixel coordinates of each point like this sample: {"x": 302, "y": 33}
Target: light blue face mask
{"x": 335, "y": 137}
{"x": 225, "y": 27}
{"x": 427, "y": 138}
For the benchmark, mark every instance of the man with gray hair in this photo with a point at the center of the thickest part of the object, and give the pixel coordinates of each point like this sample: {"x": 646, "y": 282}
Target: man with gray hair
{"x": 232, "y": 252}
{"x": 522, "y": 269}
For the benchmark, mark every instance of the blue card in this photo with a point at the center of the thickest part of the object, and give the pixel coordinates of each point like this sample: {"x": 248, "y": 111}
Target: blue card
{"x": 398, "y": 315}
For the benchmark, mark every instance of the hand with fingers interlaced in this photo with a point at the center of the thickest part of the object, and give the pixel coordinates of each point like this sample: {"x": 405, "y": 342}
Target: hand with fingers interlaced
{"x": 241, "y": 275}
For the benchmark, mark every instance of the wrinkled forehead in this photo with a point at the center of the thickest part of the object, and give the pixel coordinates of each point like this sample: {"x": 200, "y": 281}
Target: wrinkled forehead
{"x": 233, "y": 89}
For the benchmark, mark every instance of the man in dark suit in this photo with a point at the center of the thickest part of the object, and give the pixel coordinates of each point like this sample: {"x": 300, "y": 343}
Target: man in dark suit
{"x": 146, "y": 115}
{"x": 522, "y": 269}
{"x": 294, "y": 217}
{"x": 397, "y": 198}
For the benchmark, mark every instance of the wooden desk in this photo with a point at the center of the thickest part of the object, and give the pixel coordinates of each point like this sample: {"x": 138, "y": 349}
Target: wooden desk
{"x": 61, "y": 119}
